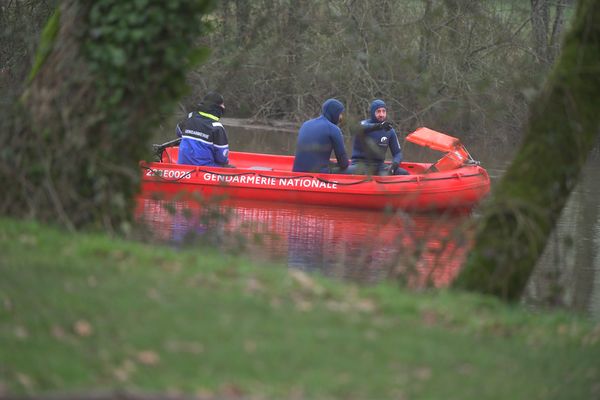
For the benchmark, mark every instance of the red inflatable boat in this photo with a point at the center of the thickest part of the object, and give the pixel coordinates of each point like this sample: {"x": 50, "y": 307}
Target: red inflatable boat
{"x": 456, "y": 181}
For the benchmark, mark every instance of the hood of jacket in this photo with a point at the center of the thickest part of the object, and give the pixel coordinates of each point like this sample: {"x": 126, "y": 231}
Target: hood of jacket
{"x": 374, "y": 106}
{"x": 212, "y": 104}
{"x": 332, "y": 109}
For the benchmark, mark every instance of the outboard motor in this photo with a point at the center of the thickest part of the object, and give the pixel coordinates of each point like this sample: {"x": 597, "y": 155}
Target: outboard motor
{"x": 456, "y": 155}
{"x": 168, "y": 156}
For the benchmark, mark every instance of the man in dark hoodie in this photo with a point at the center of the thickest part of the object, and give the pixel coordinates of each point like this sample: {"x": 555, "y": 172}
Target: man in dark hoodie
{"x": 318, "y": 137}
{"x": 370, "y": 146}
{"x": 203, "y": 138}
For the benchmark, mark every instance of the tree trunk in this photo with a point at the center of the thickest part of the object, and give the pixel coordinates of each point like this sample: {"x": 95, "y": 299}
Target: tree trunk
{"x": 557, "y": 28}
{"x": 106, "y": 74}
{"x": 588, "y": 223}
{"x": 425, "y": 38}
{"x": 539, "y": 29}
{"x": 242, "y": 17}
{"x": 563, "y": 125}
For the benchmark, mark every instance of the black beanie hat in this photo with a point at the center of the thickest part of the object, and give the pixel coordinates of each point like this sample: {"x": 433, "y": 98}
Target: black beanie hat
{"x": 212, "y": 103}
{"x": 213, "y": 99}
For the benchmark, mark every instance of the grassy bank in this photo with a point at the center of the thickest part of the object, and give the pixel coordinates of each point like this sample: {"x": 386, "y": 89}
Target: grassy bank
{"x": 84, "y": 312}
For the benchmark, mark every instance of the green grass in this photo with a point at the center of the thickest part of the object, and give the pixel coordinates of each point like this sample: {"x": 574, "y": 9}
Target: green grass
{"x": 85, "y": 312}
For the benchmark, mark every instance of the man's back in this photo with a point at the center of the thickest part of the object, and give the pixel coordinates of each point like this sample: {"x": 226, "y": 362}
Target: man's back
{"x": 314, "y": 146}
{"x": 318, "y": 137}
{"x": 203, "y": 138}
{"x": 204, "y": 141}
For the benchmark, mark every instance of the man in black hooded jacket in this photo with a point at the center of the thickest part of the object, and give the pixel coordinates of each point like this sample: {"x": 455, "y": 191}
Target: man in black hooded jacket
{"x": 203, "y": 138}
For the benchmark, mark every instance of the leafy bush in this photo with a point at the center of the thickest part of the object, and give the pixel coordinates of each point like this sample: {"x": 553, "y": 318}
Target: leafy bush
{"x": 106, "y": 75}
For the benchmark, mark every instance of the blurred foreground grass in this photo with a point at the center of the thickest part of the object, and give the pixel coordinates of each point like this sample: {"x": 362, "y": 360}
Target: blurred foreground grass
{"x": 83, "y": 313}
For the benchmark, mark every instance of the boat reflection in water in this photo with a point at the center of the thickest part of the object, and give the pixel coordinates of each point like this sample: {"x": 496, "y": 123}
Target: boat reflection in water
{"x": 358, "y": 245}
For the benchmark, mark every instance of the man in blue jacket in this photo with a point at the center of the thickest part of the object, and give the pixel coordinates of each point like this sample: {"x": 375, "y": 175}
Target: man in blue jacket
{"x": 203, "y": 138}
{"x": 370, "y": 145}
{"x": 318, "y": 137}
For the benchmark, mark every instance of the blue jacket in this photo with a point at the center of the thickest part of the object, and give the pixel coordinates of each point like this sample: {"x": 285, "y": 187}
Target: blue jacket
{"x": 371, "y": 144}
{"x": 318, "y": 137}
{"x": 203, "y": 140}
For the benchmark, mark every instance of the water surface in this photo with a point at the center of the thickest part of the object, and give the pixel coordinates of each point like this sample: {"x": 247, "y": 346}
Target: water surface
{"x": 368, "y": 246}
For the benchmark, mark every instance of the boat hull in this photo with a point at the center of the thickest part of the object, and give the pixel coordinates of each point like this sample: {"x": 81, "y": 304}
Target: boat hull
{"x": 269, "y": 178}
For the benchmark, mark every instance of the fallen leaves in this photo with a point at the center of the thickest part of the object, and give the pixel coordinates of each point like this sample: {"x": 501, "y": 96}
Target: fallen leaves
{"x": 423, "y": 373}
{"x": 466, "y": 369}
{"x": 203, "y": 393}
{"x": 430, "y": 317}
{"x": 7, "y": 304}
{"x": 306, "y": 282}
{"x": 592, "y": 337}
{"x": 123, "y": 372}
{"x": 58, "y": 332}
{"x": 83, "y": 328}
{"x": 171, "y": 266}
{"x": 25, "y": 381}
{"x": 153, "y": 294}
{"x": 148, "y": 357}
{"x": 231, "y": 390}
{"x": 250, "y": 346}
{"x": 253, "y": 285}
{"x": 302, "y": 304}
{"x": 28, "y": 240}
{"x": 21, "y": 332}
{"x": 92, "y": 281}
{"x": 119, "y": 255}
{"x": 311, "y": 291}
{"x": 177, "y": 346}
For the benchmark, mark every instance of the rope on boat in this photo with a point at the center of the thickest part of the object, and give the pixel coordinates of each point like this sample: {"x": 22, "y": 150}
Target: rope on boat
{"x": 294, "y": 177}
{"x": 222, "y": 174}
{"x": 344, "y": 183}
{"x": 442, "y": 178}
{"x": 319, "y": 179}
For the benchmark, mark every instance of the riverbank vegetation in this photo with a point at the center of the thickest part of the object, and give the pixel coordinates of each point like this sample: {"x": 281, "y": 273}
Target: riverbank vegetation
{"x": 88, "y": 314}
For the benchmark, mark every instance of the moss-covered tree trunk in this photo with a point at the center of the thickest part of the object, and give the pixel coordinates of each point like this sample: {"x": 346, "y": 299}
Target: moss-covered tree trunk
{"x": 107, "y": 72}
{"x": 525, "y": 205}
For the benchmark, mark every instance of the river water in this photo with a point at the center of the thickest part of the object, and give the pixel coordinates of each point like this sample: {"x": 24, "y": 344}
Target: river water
{"x": 416, "y": 250}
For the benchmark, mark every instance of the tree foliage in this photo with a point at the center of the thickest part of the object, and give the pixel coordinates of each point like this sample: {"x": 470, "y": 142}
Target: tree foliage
{"x": 460, "y": 65}
{"x": 106, "y": 74}
{"x": 563, "y": 127}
